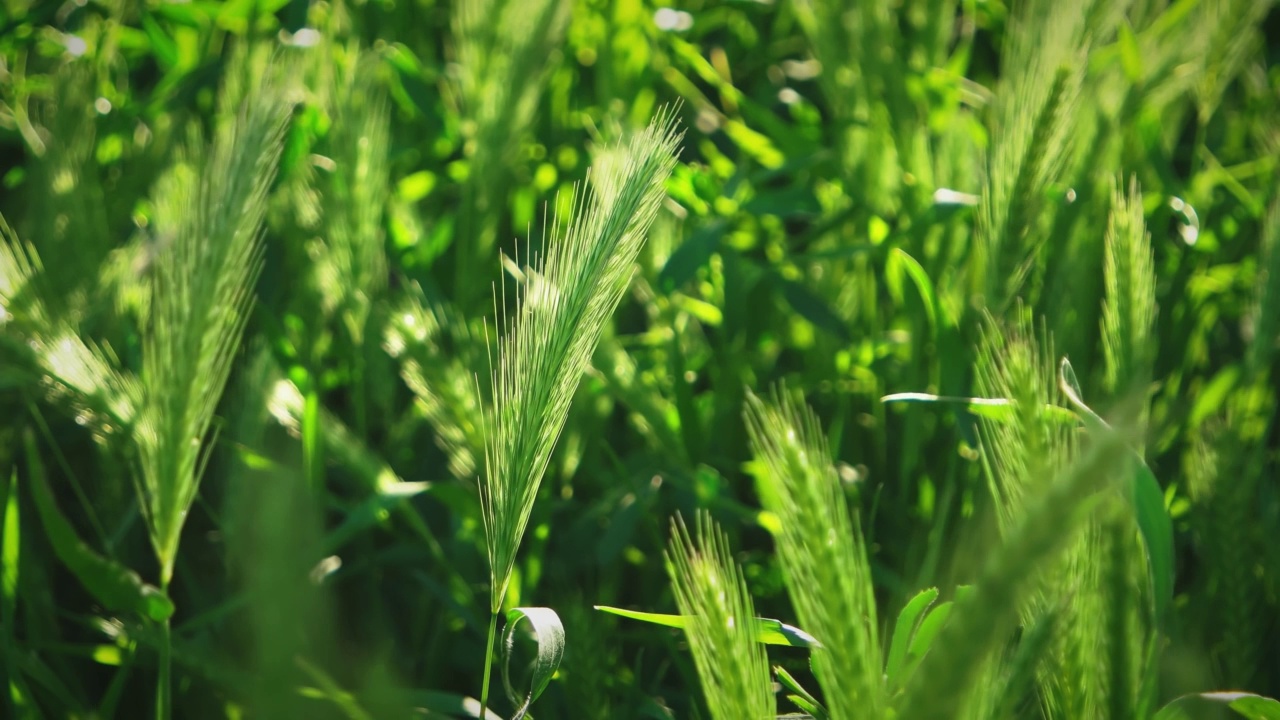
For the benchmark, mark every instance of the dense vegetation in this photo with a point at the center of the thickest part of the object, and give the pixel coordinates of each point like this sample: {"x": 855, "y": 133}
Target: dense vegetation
{"x": 939, "y": 336}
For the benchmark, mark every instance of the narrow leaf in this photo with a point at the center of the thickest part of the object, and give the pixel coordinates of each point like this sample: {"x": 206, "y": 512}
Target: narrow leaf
{"x": 114, "y": 585}
{"x": 1144, "y": 495}
{"x": 898, "y": 263}
{"x": 1254, "y": 707}
{"x": 767, "y": 630}
{"x": 802, "y": 698}
{"x": 903, "y": 630}
{"x": 996, "y": 409}
{"x": 923, "y": 639}
{"x": 814, "y": 308}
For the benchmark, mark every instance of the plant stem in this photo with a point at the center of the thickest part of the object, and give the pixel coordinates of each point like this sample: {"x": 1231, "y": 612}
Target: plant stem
{"x": 488, "y": 666}
{"x": 164, "y": 701}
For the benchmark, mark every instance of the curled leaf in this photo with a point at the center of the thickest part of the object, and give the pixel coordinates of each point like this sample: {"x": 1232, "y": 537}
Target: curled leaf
{"x": 548, "y": 633}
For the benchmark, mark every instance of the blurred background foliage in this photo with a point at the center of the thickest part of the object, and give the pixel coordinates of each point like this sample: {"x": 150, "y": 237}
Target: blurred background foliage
{"x": 859, "y": 185}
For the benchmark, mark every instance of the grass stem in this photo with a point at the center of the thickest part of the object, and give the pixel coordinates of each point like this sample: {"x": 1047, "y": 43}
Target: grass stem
{"x": 164, "y": 697}
{"x": 488, "y": 665}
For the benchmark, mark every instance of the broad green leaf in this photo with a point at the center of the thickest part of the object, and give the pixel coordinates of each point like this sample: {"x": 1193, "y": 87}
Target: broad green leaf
{"x": 904, "y": 629}
{"x": 1254, "y": 707}
{"x": 1213, "y": 394}
{"x": 162, "y": 46}
{"x": 705, "y": 312}
{"x": 548, "y": 634}
{"x": 754, "y": 144}
{"x": 787, "y": 202}
{"x": 1130, "y": 54}
{"x": 195, "y": 15}
{"x": 1192, "y": 707}
{"x": 1145, "y": 496}
{"x": 768, "y": 630}
{"x": 114, "y": 585}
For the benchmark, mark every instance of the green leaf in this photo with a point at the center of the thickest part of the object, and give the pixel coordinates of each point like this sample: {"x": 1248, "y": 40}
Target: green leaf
{"x": 1144, "y": 495}
{"x": 548, "y": 634}
{"x": 768, "y": 630}
{"x": 800, "y": 697}
{"x": 372, "y": 511}
{"x": 903, "y": 630}
{"x": 692, "y": 254}
{"x": 1130, "y": 54}
{"x": 10, "y": 545}
{"x": 814, "y": 308}
{"x": 447, "y": 704}
{"x": 195, "y": 15}
{"x": 898, "y": 263}
{"x": 785, "y": 203}
{"x": 1254, "y": 707}
{"x": 163, "y": 48}
{"x": 995, "y": 409}
{"x": 924, "y": 636}
{"x": 114, "y": 585}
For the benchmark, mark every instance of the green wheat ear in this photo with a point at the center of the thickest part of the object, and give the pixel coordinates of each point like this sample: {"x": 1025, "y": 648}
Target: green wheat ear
{"x": 208, "y": 216}
{"x": 823, "y": 554}
{"x": 710, "y": 590}
{"x": 561, "y": 311}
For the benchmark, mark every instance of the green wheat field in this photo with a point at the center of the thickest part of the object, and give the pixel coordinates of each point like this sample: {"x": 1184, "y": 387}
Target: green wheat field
{"x": 621, "y": 359}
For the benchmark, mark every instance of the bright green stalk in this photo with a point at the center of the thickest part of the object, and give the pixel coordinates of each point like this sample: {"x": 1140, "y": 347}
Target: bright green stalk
{"x": 562, "y": 308}
{"x": 822, "y": 552}
{"x": 711, "y": 592}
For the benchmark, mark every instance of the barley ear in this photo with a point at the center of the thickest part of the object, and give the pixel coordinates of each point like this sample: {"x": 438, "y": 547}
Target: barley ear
{"x": 561, "y": 309}
{"x": 711, "y": 592}
{"x": 822, "y": 551}
{"x": 208, "y": 218}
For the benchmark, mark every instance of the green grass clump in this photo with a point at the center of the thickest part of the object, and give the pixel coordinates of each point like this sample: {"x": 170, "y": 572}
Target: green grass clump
{"x": 330, "y": 332}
